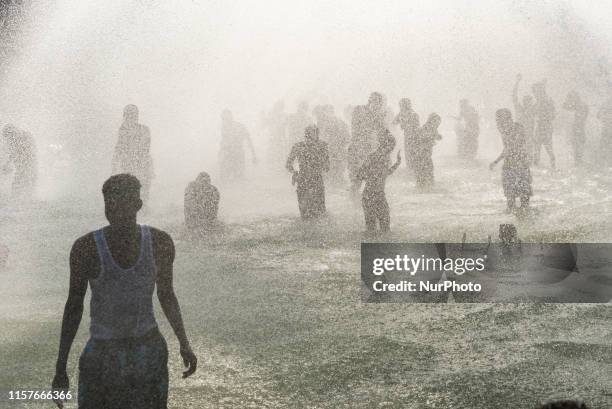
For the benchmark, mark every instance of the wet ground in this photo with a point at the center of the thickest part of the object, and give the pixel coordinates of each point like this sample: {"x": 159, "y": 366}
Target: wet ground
{"x": 273, "y": 308}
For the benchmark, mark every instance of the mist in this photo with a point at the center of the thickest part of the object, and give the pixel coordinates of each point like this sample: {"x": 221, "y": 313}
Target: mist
{"x": 183, "y": 62}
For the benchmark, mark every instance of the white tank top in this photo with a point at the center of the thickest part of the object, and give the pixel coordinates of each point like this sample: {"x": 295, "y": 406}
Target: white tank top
{"x": 122, "y": 299}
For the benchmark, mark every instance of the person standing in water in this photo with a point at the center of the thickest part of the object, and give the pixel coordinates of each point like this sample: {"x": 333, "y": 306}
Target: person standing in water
{"x": 545, "y": 115}
{"x": 367, "y": 122}
{"x": 21, "y": 150}
{"x": 525, "y": 115}
{"x": 231, "y": 156}
{"x": 374, "y": 172}
{"x": 425, "y": 141}
{"x": 201, "y": 205}
{"x": 124, "y": 364}
{"x": 578, "y": 136}
{"x": 408, "y": 121}
{"x": 133, "y": 150}
{"x": 313, "y": 159}
{"x": 516, "y": 176}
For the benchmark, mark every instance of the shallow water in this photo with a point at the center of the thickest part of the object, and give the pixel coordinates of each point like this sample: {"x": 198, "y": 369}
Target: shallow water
{"x": 273, "y": 307}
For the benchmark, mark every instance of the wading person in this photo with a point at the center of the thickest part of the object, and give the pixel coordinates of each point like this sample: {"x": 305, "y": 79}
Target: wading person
{"x": 21, "y": 151}
{"x": 201, "y": 205}
{"x": 133, "y": 150}
{"x": 366, "y": 124}
{"x": 516, "y": 177}
{"x": 231, "y": 156}
{"x": 124, "y": 364}
{"x": 374, "y": 172}
{"x": 313, "y": 160}
{"x": 578, "y": 136}
{"x": 424, "y": 143}
{"x": 408, "y": 121}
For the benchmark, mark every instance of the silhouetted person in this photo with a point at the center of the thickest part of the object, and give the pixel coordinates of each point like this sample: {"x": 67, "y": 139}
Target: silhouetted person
{"x": 408, "y": 120}
{"x": 516, "y": 176}
{"x": 133, "y": 150}
{"x": 564, "y": 404}
{"x": 231, "y": 156}
{"x": 297, "y": 122}
{"x": 124, "y": 364}
{"x": 605, "y": 143}
{"x": 578, "y": 136}
{"x": 334, "y": 132}
{"x": 313, "y": 160}
{"x": 467, "y": 130}
{"x": 525, "y": 115}
{"x": 367, "y": 123}
{"x": 201, "y": 205}
{"x": 374, "y": 172}
{"x": 275, "y": 122}
{"x": 425, "y": 141}
{"x": 545, "y": 115}
{"x": 21, "y": 150}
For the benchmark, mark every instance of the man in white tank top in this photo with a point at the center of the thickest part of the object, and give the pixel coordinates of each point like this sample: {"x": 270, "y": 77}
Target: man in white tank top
{"x": 124, "y": 364}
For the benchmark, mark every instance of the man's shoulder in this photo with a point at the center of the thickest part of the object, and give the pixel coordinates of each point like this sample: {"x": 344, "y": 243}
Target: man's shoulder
{"x": 163, "y": 246}
{"x": 160, "y": 236}
{"x": 84, "y": 244}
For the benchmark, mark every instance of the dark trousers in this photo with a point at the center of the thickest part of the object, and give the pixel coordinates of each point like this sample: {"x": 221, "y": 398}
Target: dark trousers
{"x": 311, "y": 196}
{"x": 129, "y": 373}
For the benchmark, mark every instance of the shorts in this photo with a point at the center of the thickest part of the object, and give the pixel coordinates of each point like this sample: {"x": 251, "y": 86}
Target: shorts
{"x": 127, "y": 373}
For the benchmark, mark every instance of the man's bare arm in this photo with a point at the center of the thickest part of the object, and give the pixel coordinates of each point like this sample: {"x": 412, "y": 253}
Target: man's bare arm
{"x": 164, "y": 257}
{"x": 73, "y": 310}
{"x": 81, "y": 257}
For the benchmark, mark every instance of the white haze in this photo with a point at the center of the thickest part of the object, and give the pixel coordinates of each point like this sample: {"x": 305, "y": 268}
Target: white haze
{"x": 182, "y": 62}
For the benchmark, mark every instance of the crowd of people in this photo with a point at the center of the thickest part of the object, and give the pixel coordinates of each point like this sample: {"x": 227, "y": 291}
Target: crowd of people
{"x": 344, "y": 152}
